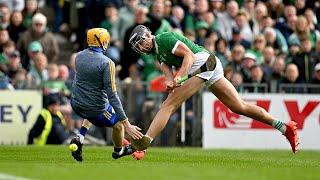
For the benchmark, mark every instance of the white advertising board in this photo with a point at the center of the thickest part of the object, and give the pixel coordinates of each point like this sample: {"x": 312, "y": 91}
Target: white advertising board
{"x": 18, "y": 112}
{"x": 224, "y": 129}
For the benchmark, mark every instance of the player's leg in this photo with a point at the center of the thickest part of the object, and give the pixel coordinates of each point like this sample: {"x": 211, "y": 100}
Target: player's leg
{"x": 168, "y": 107}
{"x": 109, "y": 119}
{"x": 228, "y": 95}
{"x": 172, "y": 103}
{"x": 78, "y": 140}
{"x": 86, "y": 124}
{"x": 118, "y": 135}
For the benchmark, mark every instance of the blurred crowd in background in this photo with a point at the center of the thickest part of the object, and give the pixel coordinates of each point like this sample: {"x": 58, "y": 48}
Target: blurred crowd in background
{"x": 264, "y": 45}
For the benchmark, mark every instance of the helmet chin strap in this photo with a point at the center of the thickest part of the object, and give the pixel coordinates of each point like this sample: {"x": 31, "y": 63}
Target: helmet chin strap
{"x": 104, "y": 50}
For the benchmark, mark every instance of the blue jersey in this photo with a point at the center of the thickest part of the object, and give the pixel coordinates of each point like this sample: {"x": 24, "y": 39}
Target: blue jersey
{"x": 94, "y": 86}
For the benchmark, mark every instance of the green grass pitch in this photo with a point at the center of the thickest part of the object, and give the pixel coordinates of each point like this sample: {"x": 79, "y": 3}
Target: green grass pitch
{"x": 55, "y": 162}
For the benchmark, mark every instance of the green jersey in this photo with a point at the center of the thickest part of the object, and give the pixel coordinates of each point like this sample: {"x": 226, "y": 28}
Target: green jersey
{"x": 167, "y": 43}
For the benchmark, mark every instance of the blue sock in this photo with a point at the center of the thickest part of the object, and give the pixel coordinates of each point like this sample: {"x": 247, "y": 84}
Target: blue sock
{"x": 83, "y": 131}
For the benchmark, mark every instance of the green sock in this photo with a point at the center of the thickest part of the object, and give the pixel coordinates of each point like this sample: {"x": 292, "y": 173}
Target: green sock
{"x": 279, "y": 125}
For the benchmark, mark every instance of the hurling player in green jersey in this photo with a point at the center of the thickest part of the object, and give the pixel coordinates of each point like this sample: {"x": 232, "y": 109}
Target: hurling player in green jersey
{"x": 175, "y": 50}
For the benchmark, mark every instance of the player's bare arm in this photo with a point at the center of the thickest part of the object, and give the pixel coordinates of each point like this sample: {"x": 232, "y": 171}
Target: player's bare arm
{"x": 188, "y": 59}
{"x": 169, "y": 77}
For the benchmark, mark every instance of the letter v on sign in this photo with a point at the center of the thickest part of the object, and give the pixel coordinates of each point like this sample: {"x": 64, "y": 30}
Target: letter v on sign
{"x": 300, "y": 116}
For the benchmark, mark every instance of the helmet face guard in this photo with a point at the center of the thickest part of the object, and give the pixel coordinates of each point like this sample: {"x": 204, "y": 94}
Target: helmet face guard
{"x": 141, "y": 39}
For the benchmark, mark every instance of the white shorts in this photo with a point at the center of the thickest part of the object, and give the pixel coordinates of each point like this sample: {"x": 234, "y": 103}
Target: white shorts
{"x": 210, "y": 76}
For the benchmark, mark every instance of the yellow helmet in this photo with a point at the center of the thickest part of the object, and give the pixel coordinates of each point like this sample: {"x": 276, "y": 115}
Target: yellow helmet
{"x": 98, "y": 37}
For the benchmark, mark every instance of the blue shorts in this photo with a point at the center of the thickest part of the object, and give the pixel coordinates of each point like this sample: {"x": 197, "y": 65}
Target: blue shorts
{"x": 106, "y": 119}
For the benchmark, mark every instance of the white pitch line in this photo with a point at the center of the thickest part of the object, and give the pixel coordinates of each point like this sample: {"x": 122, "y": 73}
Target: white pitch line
{"x": 11, "y": 177}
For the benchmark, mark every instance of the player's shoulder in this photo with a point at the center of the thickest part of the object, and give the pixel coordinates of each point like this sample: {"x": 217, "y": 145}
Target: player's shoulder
{"x": 106, "y": 61}
{"x": 165, "y": 37}
{"x": 164, "y": 34}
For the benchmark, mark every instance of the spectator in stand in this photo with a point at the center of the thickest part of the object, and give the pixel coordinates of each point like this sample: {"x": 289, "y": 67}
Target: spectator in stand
{"x": 257, "y": 78}
{"x": 16, "y": 27}
{"x": 63, "y": 72}
{"x": 14, "y": 64}
{"x": 4, "y": 38}
{"x": 248, "y": 7}
{"x": 29, "y": 11}
{"x": 277, "y": 72}
{"x": 64, "y": 75}
{"x": 34, "y": 48}
{"x": 302, "y": 31}
{"x": 127, "y": 17}
{"x": 267, "y": 21}
{"x": 303, "y": 61}
{"x": 112, "y": 23}
{"x": 237, "y": 55}
{"x": 54, "y": 85}
{"x": 226, "y": 20}
{"x": 157, "y": 10}
{"x": 216, "y": 6}
{"x": 222, "y": 51}
{"x": 291, "y": 77}
{"x": 244, "y": 27}
{"x": 202, "y": 29}
{"x": 190, "y": 34}
{"x": 275, "y": 8}
{"x": 286, "y": 25}
{"x": 258, "y": 46}
{"x": 8, "y": 48}
{"x": 211, "y": 20}
{"x": 294, "y": 49}
{"x": 5, "y": 14}
{"x": 39, "y": 32}
{"x": 312, "y": 20}
{"x": 227, "y": 72}
{"x": 269, "y": 58}
{"x": 248, "y": 61}
{"x": 38, "y": 73}
{"x": 200, "y": 11}
{"x": 20, "y": 79}
{"x": 237, "y": 81}
{"x": 188, "y": 6}
{"x": 176, "y": 19}
{"x": 209, "y": 45}
{"x": 275, "y": 39}
{"x": 167, "y": 9}
{"x": 260, "y": 12}
{"x": 301, "y": 6}
{"x": 237, "y": 38}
